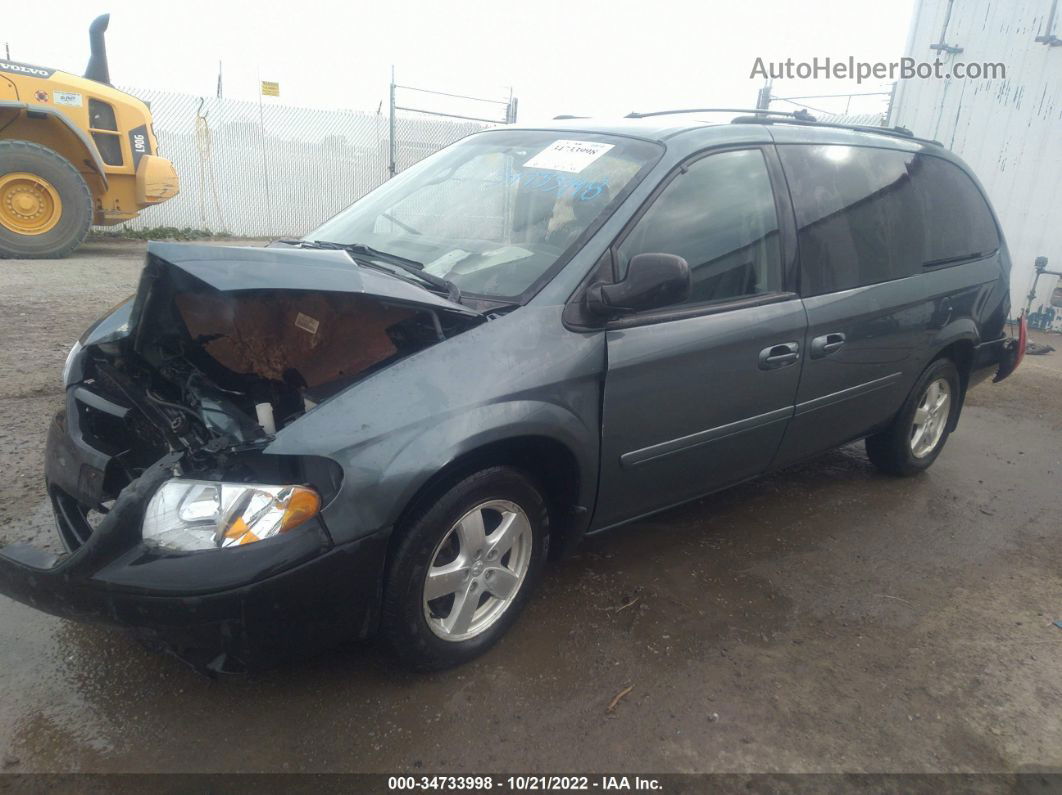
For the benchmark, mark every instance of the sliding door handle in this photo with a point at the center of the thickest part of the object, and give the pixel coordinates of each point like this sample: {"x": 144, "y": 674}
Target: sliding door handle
{"x": 781, "y": 355}
{"x": 826, "y": 344}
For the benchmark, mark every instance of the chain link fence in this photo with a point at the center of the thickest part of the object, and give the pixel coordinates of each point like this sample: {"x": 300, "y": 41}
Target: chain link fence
{"x": 273, "y": 170}
{"x": 862, "y": 119}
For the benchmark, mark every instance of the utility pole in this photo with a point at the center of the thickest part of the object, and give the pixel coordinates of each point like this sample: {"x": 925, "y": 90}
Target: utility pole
{"x": 391, "y": 166}
{"x": 763, "y": 97}
{"x": 7, "y": 49}
{"x": 265, "y": 159}
{"x": 510, "y": 109}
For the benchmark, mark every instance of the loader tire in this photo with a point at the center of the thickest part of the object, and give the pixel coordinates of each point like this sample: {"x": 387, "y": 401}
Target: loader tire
{"x": 45, "y": 205}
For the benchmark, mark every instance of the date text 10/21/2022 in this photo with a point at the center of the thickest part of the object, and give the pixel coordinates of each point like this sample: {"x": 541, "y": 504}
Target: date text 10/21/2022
{"x": 541, "y": 783}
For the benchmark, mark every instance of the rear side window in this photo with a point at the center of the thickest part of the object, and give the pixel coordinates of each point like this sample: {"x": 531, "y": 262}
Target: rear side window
{"x": 870, "y": 215}
{"x": 858, "y": 213}
{"x": 719, "y": 215}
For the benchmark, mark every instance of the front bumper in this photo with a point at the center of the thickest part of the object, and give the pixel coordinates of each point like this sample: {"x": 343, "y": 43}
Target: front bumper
{"x": 222, "y": 611}
{"x": 156, "y": 180}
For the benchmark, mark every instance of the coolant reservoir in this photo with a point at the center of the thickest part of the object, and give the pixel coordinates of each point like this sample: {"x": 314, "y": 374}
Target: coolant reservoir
{"x": 265, "y": 417}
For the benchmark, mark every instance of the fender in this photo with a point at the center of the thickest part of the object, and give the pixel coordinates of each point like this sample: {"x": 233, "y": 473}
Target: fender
{"x": 82, "y": 137}
{"x": 962, "y": 329}
{"x": 400, "y": 426}
{"x": 382, "y": 475}
{"x": 448, "y": 441}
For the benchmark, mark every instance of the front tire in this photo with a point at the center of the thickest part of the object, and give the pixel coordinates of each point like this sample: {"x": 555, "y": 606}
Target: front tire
{"x": 464, "y": 569}
{"x": 918, "y": 433}
{"x": 45, "y": 205}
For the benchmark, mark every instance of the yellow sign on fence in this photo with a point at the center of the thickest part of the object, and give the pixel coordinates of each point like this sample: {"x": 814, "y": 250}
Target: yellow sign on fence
{"x": 270, "y": 89}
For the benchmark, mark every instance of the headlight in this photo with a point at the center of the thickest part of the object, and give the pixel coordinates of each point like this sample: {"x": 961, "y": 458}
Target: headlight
{"x": 68, "y": 365}
{"x": 205, "y": 514}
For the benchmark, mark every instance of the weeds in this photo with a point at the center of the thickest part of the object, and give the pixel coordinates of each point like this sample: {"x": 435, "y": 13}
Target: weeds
{"x": 157, "y": 233}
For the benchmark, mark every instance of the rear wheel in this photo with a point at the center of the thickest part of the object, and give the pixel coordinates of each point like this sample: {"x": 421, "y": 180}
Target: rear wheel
{"x": 917, "y": 435}
{"x": 465, "y": 568}
{"x": 45, "y": 205}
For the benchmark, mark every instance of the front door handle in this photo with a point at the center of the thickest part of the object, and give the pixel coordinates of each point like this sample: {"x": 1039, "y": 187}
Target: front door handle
{"x": 781, "y": 355}
{"x": 826, "y": 344}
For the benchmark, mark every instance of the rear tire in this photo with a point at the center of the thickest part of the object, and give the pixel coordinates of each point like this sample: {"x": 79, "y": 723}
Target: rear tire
{"x": 439, "y": 554}
{"x": 33, "y": 225}
{"x": 918, "y": 433}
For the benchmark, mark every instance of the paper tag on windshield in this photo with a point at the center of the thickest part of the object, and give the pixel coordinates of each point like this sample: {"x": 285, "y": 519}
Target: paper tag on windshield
{"x": 570, "y": 156}
{"x": 444, "y": 264}
{"x": 307, "y": 323}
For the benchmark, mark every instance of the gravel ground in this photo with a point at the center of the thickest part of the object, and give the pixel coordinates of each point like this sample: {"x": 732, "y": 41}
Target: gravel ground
{"x": 824, "y": 619}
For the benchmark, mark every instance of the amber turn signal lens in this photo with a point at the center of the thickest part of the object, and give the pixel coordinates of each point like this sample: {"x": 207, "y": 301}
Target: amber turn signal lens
{"x": 303, "y": 505}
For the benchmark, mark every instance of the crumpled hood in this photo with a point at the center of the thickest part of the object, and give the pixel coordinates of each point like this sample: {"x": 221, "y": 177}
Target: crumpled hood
{"x": 234, "y": 331}
{"x": 231, "y": 268}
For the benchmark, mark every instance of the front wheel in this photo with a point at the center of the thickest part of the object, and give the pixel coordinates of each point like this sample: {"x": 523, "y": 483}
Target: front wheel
{"x": 917, "y": 435}
{"x": 465, "y": 568}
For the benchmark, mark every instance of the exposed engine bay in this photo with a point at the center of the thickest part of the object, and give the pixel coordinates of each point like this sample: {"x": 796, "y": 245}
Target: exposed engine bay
{"x": 213, "y": 373}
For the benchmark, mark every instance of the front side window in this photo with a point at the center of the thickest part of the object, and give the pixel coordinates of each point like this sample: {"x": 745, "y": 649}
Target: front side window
{"x": 497, "y": 211}
{"x": 719, "y": 215}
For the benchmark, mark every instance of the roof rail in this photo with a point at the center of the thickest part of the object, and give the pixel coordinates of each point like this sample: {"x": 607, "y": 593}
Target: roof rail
{"x": 801, "y": 115}
{"x": 764, "y": 116}
{"x": 899, "y": 132}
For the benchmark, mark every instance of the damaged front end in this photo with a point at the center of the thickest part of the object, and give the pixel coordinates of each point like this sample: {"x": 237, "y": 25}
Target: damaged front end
{"x": 176, "y": 519}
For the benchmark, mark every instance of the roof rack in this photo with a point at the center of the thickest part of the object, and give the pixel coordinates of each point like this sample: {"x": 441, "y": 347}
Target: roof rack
{"x": 899, "y": 132}
{"x": 801, "y": 114}
{"x": 764, "y": 116}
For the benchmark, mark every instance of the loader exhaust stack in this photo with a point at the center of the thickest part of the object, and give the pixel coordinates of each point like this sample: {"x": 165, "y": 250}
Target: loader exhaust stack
{"x": 97, "y": 68}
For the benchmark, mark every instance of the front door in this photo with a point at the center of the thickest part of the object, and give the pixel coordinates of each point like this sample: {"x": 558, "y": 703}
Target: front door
{"x": 698, "y": 396}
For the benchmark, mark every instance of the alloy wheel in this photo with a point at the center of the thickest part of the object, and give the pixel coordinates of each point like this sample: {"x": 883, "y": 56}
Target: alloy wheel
{"x": 477, "y": 570}
{"x": 930, "y": 418}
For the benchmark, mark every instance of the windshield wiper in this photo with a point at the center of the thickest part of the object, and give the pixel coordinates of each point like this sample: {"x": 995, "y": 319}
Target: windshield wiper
{"x": 410, "y": 266}
{"x": 950, "y": 260}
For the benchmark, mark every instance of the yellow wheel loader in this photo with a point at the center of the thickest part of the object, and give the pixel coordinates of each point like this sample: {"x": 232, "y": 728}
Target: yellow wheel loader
{"x": 74, "y": 151}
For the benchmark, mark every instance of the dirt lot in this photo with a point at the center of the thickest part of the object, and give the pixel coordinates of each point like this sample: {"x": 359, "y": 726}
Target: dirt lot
{"x": 825, "y": 619}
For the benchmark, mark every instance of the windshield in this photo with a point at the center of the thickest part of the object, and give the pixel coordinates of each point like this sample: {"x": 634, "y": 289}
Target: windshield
{"x": 495, "y": 212}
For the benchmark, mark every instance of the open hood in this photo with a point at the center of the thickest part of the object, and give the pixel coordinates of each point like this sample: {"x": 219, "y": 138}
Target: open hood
{"x": 228, "y": 345}
{"x": 231, "y": 268}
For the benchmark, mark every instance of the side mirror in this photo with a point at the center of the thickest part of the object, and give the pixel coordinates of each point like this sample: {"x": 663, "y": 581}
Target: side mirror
{"x": 653, "y": 281}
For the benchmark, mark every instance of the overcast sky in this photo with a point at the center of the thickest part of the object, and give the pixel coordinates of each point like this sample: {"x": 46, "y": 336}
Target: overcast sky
{"x": 559, "y": 56}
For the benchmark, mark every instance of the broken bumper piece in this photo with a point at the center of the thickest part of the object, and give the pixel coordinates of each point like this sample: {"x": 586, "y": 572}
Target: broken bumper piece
{"x": 222, "y": 611}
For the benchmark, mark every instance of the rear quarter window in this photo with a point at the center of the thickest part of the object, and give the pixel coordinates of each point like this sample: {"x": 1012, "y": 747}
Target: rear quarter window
{"x": 959, "y": 226}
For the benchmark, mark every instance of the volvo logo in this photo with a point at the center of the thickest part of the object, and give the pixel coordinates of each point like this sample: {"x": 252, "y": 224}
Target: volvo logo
{"x": 25, "y": 69}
